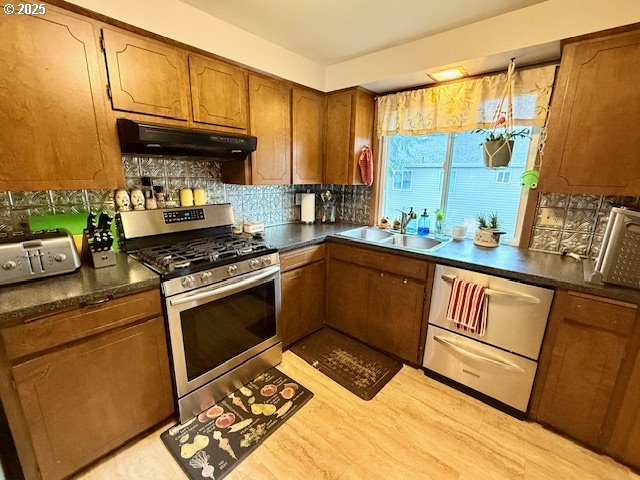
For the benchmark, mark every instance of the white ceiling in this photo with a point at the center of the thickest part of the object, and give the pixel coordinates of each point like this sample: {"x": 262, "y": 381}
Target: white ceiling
{"x": 331, "y": 31}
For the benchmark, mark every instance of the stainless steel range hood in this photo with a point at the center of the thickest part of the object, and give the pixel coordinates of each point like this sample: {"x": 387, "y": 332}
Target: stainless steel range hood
{"x": 152, "y": 139}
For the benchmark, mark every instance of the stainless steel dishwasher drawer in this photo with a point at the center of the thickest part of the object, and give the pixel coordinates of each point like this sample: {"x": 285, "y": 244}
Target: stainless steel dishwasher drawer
{"x": 486, "y": 369}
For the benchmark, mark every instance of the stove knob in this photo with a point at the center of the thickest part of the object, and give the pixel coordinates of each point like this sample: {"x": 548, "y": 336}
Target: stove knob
{"x": 266, "y": 261}
{"x": 254, "y": 263}
{"x": 9, "y": 265}
{"x": 206, "y": 277}
{"x": 232, "y": 269}
{"x": 188, "y": 281}
{"x": 60, "y": 257}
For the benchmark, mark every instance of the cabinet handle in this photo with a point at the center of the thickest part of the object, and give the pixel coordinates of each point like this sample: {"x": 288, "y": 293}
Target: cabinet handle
{"x": 382, "y": 274}
{"x": 404, "y": 281}
{"x": 93, "y": 303}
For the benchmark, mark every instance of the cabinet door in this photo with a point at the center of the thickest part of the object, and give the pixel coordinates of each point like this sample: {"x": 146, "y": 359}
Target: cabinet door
{"x": 218, "y": 92}
{"x": 85, "y": 400}
{"x": 303, "y": 297}
{"x": 146, "y": 76}
{"x": 54, "y": 126}
{"x": 269, "y": 101}
{"x": 347, "y": 298}
{"x": 339, "y": 139}
{"x": 588, "y": 150}
{"x": 395, "y": 315}
{"x": 307, "y": 136}
{"x": 582, "y": 356}
{"x": 625, "y": 441}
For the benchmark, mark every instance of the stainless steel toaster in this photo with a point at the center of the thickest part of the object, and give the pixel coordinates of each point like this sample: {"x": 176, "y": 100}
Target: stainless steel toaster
{"x": 30, "y": 255}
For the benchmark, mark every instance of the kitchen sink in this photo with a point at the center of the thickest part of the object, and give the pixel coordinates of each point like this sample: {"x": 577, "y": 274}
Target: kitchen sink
{"x": 367, "y": 233}
{"x": 415, "y": 242}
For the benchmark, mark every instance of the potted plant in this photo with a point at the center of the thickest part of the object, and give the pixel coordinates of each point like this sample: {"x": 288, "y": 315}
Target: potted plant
{"x": 440, "y": 216}
{"x": 497, "y": 147}
{"x": 488, "y": 232}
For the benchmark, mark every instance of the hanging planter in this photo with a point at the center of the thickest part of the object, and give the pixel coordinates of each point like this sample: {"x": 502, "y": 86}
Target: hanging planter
{"x": 497, "y": 147}
{"x": 497, "y": 153}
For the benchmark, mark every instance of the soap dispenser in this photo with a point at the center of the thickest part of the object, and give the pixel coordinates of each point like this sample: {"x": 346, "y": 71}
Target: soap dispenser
{"x": 424, "y": 224}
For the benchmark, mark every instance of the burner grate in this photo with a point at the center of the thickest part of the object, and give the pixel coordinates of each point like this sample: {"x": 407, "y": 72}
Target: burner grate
{"x": 202, "y": 251}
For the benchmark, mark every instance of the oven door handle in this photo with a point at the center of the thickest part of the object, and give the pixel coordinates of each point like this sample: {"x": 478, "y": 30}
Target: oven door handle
{"x": 499, "y": 363}
{"x": 267, "y": 272}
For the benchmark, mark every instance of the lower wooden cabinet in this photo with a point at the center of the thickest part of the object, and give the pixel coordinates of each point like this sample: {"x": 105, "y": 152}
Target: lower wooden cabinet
{"x": 347, "y": 299}
{"x": 303, "y": 296}
{"x": 587, "y": 357}
{"x": 377, "y": 299}
{"x": 83, "y": 401}
{"x": 625, "y": 441}
{"x": 70, "y": 404}
{"x": 394, "y": 325}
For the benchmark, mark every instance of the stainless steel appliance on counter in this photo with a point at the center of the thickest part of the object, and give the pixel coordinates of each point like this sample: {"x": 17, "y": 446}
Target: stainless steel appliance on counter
{"x": 26, "y": 255}
{"x": 501, "y": 364}
{"x": 221, "y": 294}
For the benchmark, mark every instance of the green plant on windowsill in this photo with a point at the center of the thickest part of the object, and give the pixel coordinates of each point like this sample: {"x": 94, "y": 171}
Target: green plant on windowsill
{"x": 488, "y": 232}
{"x": 440, "y": 216}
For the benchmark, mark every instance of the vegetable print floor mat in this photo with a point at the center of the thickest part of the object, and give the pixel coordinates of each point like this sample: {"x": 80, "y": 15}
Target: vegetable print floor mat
{"x": 212, "y": 444}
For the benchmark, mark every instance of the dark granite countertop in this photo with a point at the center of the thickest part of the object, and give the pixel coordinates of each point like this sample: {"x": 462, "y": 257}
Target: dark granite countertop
{"x": 297, "y": 235}
{"x": 538, "y": 268}
{"x": 66, "y": 291}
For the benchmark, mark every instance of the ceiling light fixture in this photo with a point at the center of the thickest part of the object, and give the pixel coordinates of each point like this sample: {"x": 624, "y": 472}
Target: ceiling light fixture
{"x": 447, "y": 74}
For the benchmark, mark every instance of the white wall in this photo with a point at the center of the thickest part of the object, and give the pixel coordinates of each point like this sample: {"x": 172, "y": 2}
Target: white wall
{"x": 531, "y": 33}
{"x": 182, "y": 22}
{"x": 538, "y": 24}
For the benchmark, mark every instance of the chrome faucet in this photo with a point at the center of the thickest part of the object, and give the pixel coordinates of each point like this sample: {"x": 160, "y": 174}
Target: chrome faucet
{"x": 406, "y": 219}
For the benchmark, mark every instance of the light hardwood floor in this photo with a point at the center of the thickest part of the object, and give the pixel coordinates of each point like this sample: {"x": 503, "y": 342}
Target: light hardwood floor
{"x": 415, "y": 428}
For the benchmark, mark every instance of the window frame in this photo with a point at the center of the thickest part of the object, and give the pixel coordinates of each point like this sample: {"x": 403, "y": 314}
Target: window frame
{"x": 446, "y": 167}
{"x": 403, "y": 172}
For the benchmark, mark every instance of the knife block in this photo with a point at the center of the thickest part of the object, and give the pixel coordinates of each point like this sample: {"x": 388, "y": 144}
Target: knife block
{"x": 103, "y": 258}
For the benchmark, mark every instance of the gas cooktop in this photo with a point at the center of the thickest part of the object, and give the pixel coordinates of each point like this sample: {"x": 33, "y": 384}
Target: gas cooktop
{"x": 200, "y": 254}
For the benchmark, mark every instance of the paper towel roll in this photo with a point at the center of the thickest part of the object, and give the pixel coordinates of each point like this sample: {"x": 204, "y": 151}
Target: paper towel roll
{"x": 308, "y": 208}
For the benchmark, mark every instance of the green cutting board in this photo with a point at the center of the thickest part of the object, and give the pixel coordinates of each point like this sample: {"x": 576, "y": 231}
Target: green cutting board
{"x": 74, "y": 222}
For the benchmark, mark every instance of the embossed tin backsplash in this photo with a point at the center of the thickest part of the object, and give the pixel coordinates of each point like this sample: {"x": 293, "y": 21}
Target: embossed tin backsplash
{"x": 573, "y": 223}
{"x": 273, "y": 204}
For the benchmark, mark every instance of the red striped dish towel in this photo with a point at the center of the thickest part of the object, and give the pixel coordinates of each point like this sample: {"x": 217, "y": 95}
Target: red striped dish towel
{"x": 467, "y": 306}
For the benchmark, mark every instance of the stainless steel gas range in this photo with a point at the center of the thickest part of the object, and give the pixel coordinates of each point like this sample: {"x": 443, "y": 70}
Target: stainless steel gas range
{"x": 221, "y": 293}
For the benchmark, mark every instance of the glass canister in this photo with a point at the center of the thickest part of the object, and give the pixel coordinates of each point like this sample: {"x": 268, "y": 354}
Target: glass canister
{"x": 328, "y": 212}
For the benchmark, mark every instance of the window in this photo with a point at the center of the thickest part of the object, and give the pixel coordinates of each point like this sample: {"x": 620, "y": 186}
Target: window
{"x": 402, "y": 180}
{"x": 503, "y": 176}
{"x": 453, "y": 176}
{"x": 448, "y": 172}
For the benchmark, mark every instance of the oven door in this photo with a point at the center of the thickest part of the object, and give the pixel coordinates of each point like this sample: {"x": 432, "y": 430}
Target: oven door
{"x": 215, "y": 329}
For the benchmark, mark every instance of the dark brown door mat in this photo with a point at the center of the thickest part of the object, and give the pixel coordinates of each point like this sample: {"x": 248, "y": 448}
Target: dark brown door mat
{"x": 212, "y": 444}
{"x": 356, "y": 367}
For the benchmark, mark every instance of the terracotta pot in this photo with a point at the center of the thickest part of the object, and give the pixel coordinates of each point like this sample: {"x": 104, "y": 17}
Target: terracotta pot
{"x": 497, "y": 153}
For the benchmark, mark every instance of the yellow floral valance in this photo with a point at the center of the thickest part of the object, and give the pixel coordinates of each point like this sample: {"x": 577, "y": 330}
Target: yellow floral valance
{"x": 467, "y": 104}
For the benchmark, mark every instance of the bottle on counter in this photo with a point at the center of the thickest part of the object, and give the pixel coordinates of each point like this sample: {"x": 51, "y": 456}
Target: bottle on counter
{"x": 424, "y": 224}
{"x": 147, "y": 189}
{"x": 158, "y": 191}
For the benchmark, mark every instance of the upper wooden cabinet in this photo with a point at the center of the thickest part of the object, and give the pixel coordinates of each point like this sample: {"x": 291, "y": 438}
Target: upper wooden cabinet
{"x": 146, "y": 76}
{"x": 349, "y": 128}
{"x": 307, "y": 111}
{"x": 589, "y": 147}
{"x": 218, "y": 92}
{"x": 270, "y": 101}
{"x": 587, "y": 352}
{"x": 54, "y": 131}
